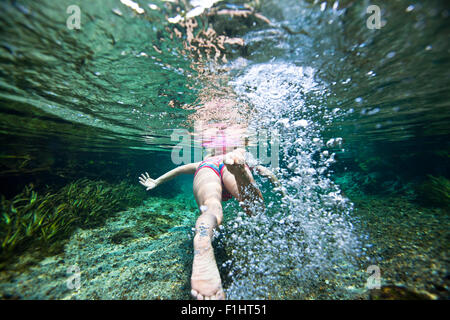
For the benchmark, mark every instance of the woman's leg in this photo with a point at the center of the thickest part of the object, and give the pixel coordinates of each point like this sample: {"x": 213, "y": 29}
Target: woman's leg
{"x": 205, "y": 279}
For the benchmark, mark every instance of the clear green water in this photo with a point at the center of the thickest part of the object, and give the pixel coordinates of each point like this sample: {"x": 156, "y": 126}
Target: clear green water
{"x": 94, "y": 103}
{"x": 95, "y": 77}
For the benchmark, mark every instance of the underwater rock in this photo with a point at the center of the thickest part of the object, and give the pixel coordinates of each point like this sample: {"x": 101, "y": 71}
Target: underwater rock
{"x": 122, "y": 235}
{"x": 442, "y": 289}
{"x": 392, "y": 292}
{"x": 8, "y": 296}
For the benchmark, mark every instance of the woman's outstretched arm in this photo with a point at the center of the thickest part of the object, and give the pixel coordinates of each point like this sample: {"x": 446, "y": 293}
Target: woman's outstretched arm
{"x": 150, "y": 183}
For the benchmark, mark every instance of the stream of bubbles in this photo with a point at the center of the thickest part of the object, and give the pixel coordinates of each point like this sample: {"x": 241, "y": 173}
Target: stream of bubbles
{"x": 307, "y": 244}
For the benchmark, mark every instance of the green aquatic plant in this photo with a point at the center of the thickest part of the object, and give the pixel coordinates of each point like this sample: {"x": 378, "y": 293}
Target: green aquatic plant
{"x": 42, "y": 220}
{"x": 435, "y": 191}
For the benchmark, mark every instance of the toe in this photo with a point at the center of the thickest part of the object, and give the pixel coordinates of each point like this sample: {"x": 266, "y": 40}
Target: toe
{"x": 194, "y": 293}
{"x": 199, "y": 297}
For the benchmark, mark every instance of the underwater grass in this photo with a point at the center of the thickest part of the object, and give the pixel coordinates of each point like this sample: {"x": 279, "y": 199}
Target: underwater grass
{"x": 31, "y": 220}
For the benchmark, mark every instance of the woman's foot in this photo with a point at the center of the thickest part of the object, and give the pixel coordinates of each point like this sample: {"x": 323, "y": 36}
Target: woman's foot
{"x": 205, "y": 279}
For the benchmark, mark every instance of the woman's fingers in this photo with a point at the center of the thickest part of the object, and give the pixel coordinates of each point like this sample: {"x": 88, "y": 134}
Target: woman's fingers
{"x": 142, "y": 180}
{"x": 144, "y": 176}
{"x": 146, "y": 181}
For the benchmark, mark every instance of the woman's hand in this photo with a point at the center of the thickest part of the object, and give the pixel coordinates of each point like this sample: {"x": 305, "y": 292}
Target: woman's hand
{"x": 148, "y": 182}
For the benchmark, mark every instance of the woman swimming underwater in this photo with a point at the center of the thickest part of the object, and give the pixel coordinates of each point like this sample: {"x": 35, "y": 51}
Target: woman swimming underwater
{"x": 216, "y": 179}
